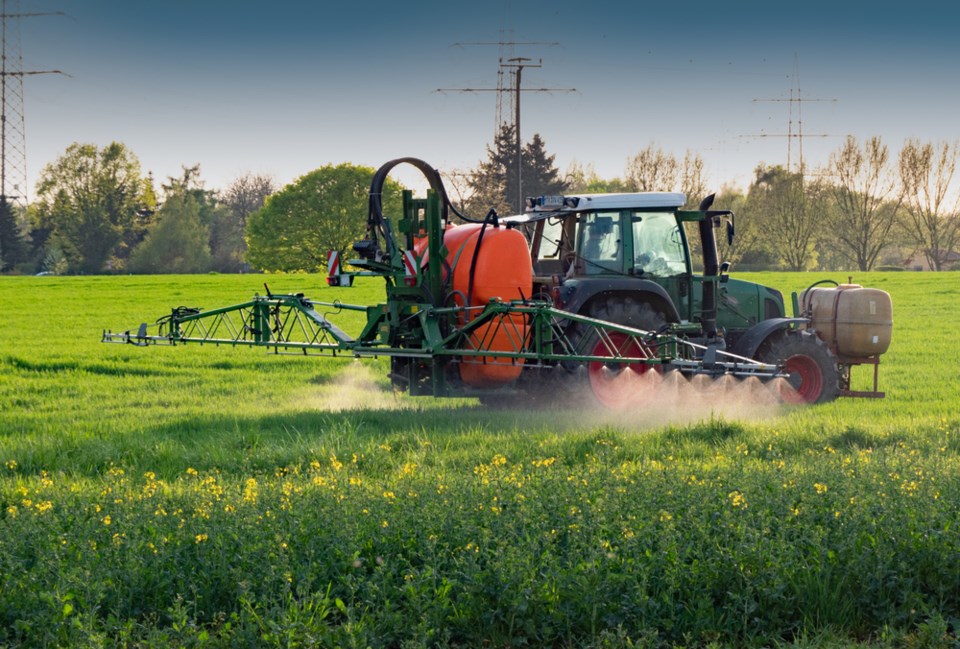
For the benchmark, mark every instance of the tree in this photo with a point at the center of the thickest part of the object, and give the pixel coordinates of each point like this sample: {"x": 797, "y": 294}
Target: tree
{"x": 540, "y": 174}
{"x": 91, "y": 199}
{"x": 926, "y": 174}
{"x": 864, "y": 191}
{"x": 189, "y": 183}
{"x": 789, "y": 208}
{"x": 584, "y": 180}
{"x": 693, "y": 181}
{"x": 654, "y": 170}
{"x": 13, "y": 245}
{"x": 651, "y": 170}
{"x": 324, "y": 210}
{"x": 493, "y": 184}
{"x": 241, "y": 198}
{"x": 746, "y": 240}
{"x": 177, "y": 242}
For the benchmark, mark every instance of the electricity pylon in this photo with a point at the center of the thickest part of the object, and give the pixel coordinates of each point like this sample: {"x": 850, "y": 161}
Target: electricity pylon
{"x": 13, "y": 149}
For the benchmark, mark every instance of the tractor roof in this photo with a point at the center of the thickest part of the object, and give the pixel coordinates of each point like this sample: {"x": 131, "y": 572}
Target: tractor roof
{"x": 545, "y": 206}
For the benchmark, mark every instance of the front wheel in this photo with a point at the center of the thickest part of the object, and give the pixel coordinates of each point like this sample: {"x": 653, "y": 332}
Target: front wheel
{"x": 814, "y": 375}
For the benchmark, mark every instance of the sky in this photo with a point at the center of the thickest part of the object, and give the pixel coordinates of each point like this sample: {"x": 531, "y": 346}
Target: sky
{"x": 283, "y": 87}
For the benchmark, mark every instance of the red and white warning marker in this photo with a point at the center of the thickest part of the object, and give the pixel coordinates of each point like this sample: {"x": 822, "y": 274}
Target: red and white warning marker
{"x": 335, "y": 274}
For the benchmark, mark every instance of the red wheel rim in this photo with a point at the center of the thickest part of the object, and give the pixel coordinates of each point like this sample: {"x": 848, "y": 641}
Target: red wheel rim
{"x": 806, "y": 379}
{"x": 607, "y": 380}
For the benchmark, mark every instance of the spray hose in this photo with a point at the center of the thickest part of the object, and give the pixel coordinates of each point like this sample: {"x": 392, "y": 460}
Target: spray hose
{"x": 375, "y": 212}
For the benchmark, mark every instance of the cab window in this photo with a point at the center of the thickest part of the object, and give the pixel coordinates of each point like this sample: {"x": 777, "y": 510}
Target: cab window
{"x": 599, "y": 242}
{"x": 658, "y": 245}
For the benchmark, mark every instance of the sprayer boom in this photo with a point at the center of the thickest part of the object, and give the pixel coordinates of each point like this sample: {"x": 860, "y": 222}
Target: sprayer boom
{"x": 536, "y": 332}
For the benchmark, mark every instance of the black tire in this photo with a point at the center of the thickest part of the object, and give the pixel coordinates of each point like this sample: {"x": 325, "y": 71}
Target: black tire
{"x": 814, "y": 375}
{"x": 623, "y": 310}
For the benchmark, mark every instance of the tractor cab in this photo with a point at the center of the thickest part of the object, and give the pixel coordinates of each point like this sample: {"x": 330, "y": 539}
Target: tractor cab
{"x": 583, "y": 244}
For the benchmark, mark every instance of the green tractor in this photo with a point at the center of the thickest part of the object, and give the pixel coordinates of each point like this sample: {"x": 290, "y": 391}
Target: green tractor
{"x": 625, "y": 258}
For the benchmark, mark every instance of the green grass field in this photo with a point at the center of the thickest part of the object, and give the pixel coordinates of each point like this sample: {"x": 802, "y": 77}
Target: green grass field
{"x": 225, "y": 497}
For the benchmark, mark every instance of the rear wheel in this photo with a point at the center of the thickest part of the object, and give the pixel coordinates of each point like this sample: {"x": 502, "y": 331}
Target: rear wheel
{"x": 814, "y": 376}
{"x": 606, "y": 382}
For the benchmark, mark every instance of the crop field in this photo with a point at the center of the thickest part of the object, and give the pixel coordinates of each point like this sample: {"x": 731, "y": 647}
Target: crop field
{"x": 203, "y": 496}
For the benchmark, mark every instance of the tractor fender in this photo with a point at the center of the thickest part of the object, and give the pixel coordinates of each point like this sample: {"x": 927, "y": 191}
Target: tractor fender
{"x": 748, "y": 344}
{"x": 575, "y": 293}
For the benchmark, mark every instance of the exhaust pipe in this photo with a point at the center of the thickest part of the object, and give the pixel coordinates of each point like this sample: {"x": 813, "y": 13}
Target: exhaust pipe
{"x": 711, "y": 268}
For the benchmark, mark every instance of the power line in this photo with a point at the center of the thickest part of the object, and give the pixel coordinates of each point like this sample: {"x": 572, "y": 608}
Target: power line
{"x": 13, "y": 150}
{"x": 795, "y": 99}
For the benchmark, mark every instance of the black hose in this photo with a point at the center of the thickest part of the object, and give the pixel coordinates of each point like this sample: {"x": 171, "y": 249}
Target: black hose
{"x": 815, "y": 284}
{"x": 491, "y": 217}
{"x": 375, "y": 212}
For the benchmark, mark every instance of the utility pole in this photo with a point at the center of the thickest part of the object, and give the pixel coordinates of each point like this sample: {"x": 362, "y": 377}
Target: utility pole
{"x": 514, "y": 65}
{"x": 13, "y": 153}
{"x": 518, "y": 63}
{"x": 799, "y": 100}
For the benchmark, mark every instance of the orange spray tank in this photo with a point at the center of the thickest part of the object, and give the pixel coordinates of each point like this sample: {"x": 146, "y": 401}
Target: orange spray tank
{"x": 501, "y": 270}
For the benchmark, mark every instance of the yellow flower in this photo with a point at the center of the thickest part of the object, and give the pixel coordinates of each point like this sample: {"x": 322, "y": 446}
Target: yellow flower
{"x": 106, "y": 520}
{"x": 192, "y": 471}
{"x": 820, "y": 487}
{"x": 250, "y": 490}
{"x": 44, "y": 507}
{"x": 12, "y": 465}
{"x": 12, "y": 511}
{"x": 200, "y": 538}
{"x": 737, "y": 499}
{"x": 545, "y": 462}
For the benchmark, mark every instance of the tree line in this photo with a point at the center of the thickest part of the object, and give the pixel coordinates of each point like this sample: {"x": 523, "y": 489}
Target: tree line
{"x": 96, "y": 212}
{"x": 866, "y": 209}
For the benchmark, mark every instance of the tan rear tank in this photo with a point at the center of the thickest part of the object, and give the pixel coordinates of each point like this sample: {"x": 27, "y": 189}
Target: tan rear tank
{"x": 854, "y": 321}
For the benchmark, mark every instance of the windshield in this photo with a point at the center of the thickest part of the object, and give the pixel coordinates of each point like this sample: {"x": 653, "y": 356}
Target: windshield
{"x": 658, "y": 246}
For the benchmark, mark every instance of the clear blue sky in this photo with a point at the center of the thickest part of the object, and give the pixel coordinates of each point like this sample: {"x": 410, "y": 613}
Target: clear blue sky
{"x": 283, "y": 87}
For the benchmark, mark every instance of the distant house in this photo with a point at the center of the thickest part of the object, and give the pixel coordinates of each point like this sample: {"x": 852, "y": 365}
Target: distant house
{"x": 918, "y": 260}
